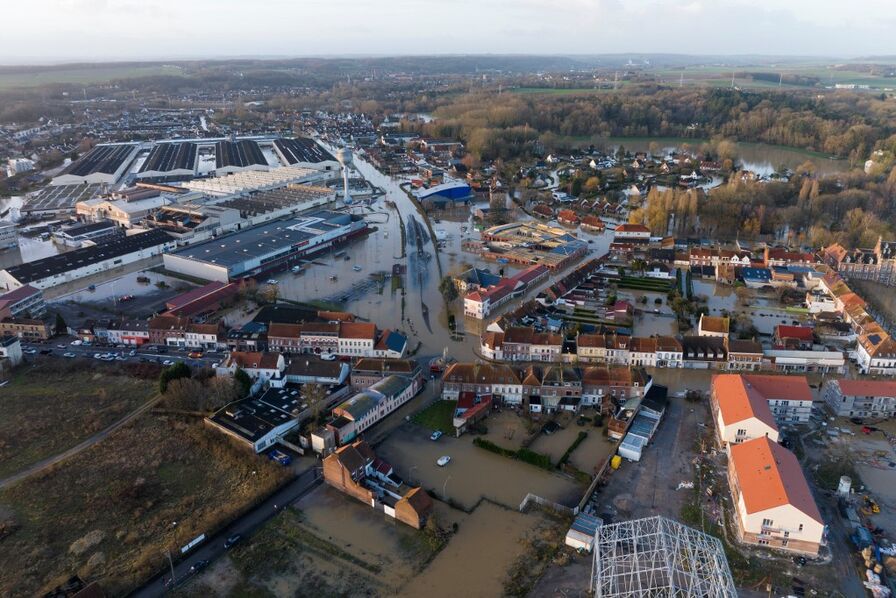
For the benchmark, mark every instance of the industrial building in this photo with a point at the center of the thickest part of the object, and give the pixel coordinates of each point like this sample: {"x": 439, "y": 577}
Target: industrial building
{"x": 304, "y": 152}
{"x": 59, "y": 199}
{"x": 169, "y": 162}
{"x": 261, "y": 206}
{"x": 445, "y": 194}
{"x": 90, "y": 232}
{"x": 238, "y": 156}
{"x": 104, "y": 164}
{"x": 271, "y": 247}
{"x": 127, "y": 207}
{"x": 9, "y": 237}
{"x": 252, "y": 180}
{"x": 79, "y": 263}
{"x": 194, "y": 221}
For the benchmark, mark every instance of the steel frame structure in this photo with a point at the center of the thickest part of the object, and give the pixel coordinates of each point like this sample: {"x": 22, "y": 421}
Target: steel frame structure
{"x": 657, "y": 556}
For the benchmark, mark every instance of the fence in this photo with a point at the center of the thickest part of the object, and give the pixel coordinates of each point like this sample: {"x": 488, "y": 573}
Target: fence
{"x": 547, "y": 503}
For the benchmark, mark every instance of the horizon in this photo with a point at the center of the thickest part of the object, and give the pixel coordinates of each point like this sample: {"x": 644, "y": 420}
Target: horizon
{"x": 88, "y": 30}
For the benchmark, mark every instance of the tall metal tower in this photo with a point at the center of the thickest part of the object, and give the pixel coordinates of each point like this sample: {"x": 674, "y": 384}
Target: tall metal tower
{"x": 344, "y": 155}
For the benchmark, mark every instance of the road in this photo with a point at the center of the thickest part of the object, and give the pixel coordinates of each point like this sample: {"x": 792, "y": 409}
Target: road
{"x": 58, "y": 347}
{"x": 246, "y": 526}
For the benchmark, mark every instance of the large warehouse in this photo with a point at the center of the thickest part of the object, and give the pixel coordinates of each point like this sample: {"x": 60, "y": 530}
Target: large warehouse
{"x": 302, "y": 151}
{"x": 169, "y": 162}
{"x": 104, "y": 164}
{"x": 270, "y": 247}
{"x": 72, "y": 265}
{"x": 237, "y": 156}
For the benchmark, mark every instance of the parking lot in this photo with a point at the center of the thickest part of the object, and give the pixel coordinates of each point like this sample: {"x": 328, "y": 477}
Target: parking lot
{"x": 71, "y": 348}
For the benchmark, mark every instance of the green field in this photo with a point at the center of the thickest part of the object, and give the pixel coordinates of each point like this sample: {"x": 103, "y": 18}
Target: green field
{"x": 83, "y": 74}
{"x": 438, "y": 416}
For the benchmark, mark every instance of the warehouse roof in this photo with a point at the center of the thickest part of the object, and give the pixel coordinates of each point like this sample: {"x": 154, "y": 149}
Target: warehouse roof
{"x": 166, "y": 157}
{"x": 106, "y": 159}
{"x": 79, "y": 258}
{"x": 236, "y": 248}
{"x": 302, "y": 149}
{"x": 242, "y": 153}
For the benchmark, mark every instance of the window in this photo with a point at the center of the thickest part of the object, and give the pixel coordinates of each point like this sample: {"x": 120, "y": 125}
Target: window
{"x": 784, "y": 542}
{"x": 801, "y": 527}
{"x": 763, "y": 542}
{"x": 767, "y": 522}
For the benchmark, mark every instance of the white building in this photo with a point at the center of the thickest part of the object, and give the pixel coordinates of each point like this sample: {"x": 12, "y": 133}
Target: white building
{"x": 774, "y": 504}
{"x": 16, "y": 166}
{"x": 739, "y": 411}
{"x": 11, "y": 349}
{"x": 832, "y": 362}
{"x": 861, "y": 398}
{"x": 259, "y": 366}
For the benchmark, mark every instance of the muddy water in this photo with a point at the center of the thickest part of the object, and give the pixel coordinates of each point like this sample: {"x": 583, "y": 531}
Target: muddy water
{"x": 476, "y": 559}
{"x": 360, "y": 531}
{"x": 593, "y": 452}
{"x": 473, "y": 473}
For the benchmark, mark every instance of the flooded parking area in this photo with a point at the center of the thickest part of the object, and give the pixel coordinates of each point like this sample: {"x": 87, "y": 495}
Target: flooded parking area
{"x": 477, "y": 557}
{"x": 473, "y": 473}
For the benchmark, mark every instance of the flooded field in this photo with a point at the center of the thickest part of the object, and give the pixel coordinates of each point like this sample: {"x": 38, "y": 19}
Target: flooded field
{"x": 508, "y": 429}
{"x": 594, "y": 450}
{"x": 367, "y": 534}
{"x": 476, "y": 560}
{"x": 473, "y": 473}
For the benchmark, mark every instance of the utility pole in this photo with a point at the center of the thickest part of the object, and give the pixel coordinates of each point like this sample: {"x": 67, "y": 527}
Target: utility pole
{"x": 170, "y": 564}
{"x": 681, "y": 80}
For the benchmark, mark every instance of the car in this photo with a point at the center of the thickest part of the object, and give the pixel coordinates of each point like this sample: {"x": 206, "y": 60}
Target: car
{"x": 120, "y": 358}
{"x": 443, "y": 460}
{"x": 273, "y": 281}
{"x": 60, "y": 346}
{"x": 280, "y": 457}
{"x": 132, "y": 352}
{"x": 198, "y": 566}
{"x": 167, "y": 362}
{"x": 232, "y": 540}
{"x": 195, "y": 354}
{"x": 435, "y": 435}
{"x": 328, "y": 357}
{"x": 69, "y": 354}
{"x": 76, "y": 343}
{"x": 126, "y": 298}
{"x": 30, "y": 351}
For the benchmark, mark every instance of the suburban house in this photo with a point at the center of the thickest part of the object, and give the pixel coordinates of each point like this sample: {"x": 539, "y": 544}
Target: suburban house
{"x": 861, "y": 398}
{"x": 259, "y": 366}
{"x": 368, "y": 371}
{"x": 717, "y": 326}
{"x": 774, "y": 504}
{"x": 740, "y": 412}
{"x": 356, "y": 470}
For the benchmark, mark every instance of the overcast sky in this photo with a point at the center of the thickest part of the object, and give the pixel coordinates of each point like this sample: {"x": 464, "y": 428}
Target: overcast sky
{"x": 64, "y": 30}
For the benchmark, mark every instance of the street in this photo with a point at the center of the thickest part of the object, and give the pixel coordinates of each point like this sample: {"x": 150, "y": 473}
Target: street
{"x": 213, "y": 547}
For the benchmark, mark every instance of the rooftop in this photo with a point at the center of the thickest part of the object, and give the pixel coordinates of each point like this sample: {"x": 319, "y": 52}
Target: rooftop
{"x": 79, "y": 258}
{"x": 770, "y": 476}
{"x": 739, "y": 401}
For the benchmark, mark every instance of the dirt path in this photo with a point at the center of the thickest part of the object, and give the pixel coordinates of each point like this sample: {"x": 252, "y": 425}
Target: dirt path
{"x": 85, "y": 444}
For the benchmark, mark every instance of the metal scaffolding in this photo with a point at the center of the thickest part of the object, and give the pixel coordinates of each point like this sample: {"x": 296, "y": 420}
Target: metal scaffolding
{"x": 656, "y": 556}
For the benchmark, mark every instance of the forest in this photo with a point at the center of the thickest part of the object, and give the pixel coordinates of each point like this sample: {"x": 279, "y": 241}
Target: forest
{"x": 507, "y": 125}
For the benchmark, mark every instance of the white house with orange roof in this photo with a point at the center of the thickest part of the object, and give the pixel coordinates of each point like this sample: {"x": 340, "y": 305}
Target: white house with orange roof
{"x": 773, "y": 502}
{"x": 740, "y": 412}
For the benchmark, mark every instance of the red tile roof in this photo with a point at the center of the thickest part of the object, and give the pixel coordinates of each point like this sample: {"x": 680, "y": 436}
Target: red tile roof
{"x": 738, "y": 402}
{"x": 770, "y": 476}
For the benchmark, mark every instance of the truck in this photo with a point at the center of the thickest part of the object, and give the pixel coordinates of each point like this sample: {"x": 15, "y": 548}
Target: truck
{"x": 280, "y": 457}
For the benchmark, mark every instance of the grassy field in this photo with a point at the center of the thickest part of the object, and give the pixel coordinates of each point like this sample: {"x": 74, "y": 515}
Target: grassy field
{"x": 52, "y": 407}
{"x": 438, "y": 416}
{"x": 108, "y": 513}
{"x": 82, "y": 74}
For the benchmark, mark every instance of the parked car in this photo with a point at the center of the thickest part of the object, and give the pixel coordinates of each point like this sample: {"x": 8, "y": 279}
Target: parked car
{"x": 328, "y": 357}
{"x": 69, "y": 354}
{"x": 273, "y": 281}
{"x": 167, "y": 362}
{"x": 280, "y": 457}
{"x": 194, "y": 354}
{"x": 198, "y": 566}
{"x": 233, "y": 540}
{"x": 443, "y": 461}
{"x": 435, "y": 435}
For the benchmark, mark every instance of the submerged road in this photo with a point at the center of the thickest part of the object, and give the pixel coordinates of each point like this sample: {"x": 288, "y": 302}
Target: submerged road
{"x": 213, "y": 547}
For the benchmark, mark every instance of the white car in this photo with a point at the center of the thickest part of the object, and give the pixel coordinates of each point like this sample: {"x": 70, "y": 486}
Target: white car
{"x": 328, "y": 357}
{"x": 443, "y": 461}
{"x": 273, "y": 281}
{"x": 75, "y": 343}
{"x": 69, "y": 355}
{"x": 167, "y": 362}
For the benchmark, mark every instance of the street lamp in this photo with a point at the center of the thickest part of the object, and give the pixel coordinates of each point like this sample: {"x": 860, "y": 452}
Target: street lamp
{"x": 445, "y": 488}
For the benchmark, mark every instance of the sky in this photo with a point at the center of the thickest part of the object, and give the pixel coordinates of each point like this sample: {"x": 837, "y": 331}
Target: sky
{"x": 112, "y": 30}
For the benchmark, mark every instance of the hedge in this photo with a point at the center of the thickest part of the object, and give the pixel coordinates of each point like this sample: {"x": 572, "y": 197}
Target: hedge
{"x": 525, "y": 455}
{"x": 575, "y": 444}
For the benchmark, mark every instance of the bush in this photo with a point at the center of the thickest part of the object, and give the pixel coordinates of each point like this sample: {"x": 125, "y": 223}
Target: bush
{"x": 575, "y": 444}
{"x": 173, "y": 372}
{"x": 525, "y": 455}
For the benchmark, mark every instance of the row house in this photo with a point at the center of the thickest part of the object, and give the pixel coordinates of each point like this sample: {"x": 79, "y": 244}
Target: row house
{"x": 642, "y": 351}
{"x": 498, "y": 380}
{"x": 128, "y": 332}
{"x": 25, "y": 328}
{"x": 603, "y": 348}
{"x": 669, "y": 352}
{"x": 177, "y": 331}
